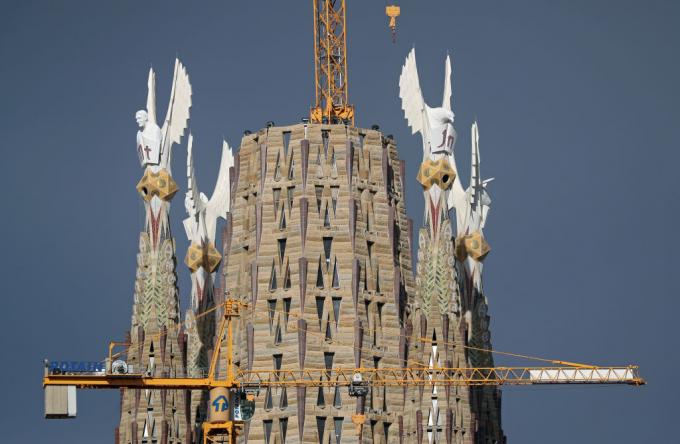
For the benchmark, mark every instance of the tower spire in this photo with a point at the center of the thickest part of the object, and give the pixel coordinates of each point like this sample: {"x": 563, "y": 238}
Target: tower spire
{"x": 156, "y": 345}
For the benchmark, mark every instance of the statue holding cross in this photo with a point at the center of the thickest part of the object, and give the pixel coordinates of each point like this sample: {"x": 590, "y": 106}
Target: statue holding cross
{"x": 148, "y": 139}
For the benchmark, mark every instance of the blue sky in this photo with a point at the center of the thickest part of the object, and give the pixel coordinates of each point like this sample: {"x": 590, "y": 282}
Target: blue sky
{"x": 577, "y": 103}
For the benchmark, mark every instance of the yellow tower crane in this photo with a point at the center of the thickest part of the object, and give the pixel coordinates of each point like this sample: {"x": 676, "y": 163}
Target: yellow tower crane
{"x": 330, "y": 64}
{"x": 239, "y": 386}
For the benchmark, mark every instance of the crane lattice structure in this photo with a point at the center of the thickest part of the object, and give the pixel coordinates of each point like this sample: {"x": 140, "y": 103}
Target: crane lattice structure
{"x": 357, "y": 380}
{"x": 330, "y": 64}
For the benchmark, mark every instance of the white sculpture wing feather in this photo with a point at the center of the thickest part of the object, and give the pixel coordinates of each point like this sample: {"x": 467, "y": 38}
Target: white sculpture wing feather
{"x": 412, "y": 101}
{"x": 219, "y": 203}
{"x": 446, "y": 100}
{"x": 151, "y": 97}
{"x": 475, "y": 175}
{"x": 178, "y": 109}
{"x": 193, "y": 200}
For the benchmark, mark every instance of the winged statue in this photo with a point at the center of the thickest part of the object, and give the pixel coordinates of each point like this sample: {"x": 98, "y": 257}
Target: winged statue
{"x": 154, "y": 143}
{"x": 201, "y": 225}
{"x": 435, "y": 126}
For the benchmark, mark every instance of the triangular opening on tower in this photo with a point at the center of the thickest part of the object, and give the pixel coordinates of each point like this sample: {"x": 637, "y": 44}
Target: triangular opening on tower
{"x": 336, "y": 309}
{"x": 386, "y": 430}
{"x": 286, "y": 141}
{"x": 320, "y": 399}
{"x": 337, "y": 399}
{"x": 336, "y": 277}
{"x": 328, "y": 336}
{"x": 268, "y": 402}
{"x": 272, "y": 278}
{"x": 319, "y": 275}
{"x": 286, "y": 309}
{"x": 326, "y": 218}
{"x": 277, "y": 359}
{"x": 291, "y": 167}
{"x": 334, "y": 164}
{"x": 364, "y": 274}
{"x": 327, "y": 244}
{"x": 286, "y": 280}
{"x": 267, "y": 426}
{"x": 271, "y": 309}
{"x": 282, "y": 220}
{"x": 325, "y": 140}
{"x": 278, "y": 336}
{"x": 337, "y": 422}
{"x": 282, "y": 248}
{"x": 290, "y": 194}
{"x": 328, "y": 360}
{"x": 320, "y": 426}
{"x": 283, "y": 403}
{"x": 377, "y": 277}
{"x": 335, "y": 191}
{"x": 319, "y": 308}
{"x": 283, "y": 425}
{"x": 384, "y": 399}
{"x": 318, "y": 192}
{"x": 277, "y": 167}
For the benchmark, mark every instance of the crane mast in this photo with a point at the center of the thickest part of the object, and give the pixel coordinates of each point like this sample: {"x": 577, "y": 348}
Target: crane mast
{"x": 330, "y": 64}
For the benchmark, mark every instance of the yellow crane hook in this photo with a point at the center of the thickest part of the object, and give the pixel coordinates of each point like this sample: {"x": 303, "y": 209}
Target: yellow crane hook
{"x": 393, "y": 12}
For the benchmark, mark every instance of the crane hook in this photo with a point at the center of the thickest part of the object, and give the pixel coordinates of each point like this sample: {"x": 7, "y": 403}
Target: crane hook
{"x": 393, "y": 12}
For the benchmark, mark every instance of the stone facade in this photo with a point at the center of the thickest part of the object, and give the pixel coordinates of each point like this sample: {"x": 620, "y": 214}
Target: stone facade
{"x": 156, "y": 341}
{"x": 449, "y": 321}
{"x": 318, "y": 245}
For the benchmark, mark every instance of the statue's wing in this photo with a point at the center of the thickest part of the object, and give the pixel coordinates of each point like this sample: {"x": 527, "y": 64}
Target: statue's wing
{"x": 479, "y": 196}
{"x": 178, "y": 109}
{"x": 218, "y": 205}
{"x": 151, "y": 97}
{"x": 193, "y": 203}
{"x": 412, "y": 101}
{"x": 446, "y": 100}
{"x": 475, "y": 174}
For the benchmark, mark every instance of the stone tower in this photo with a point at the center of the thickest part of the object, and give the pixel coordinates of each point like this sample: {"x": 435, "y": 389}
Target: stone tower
{"x": 448, "y": 317}
{"x": 156, "y": 342}
{"x": 318, "y": 246}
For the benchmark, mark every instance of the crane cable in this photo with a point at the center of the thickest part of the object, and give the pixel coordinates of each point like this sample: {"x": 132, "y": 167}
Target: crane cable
{"x": 199, "y": 315}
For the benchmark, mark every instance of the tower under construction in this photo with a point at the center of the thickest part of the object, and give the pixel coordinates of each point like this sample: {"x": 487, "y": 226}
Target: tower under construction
{"x": 319, "y": 250}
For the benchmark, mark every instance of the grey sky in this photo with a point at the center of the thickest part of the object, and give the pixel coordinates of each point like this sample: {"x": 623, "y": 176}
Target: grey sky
{"x": 577, "y": 103}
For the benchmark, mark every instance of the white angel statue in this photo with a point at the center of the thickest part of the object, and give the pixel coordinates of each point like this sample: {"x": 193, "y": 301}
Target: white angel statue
{"x": 154, "y": 144}
{"x": 439, "y": 137}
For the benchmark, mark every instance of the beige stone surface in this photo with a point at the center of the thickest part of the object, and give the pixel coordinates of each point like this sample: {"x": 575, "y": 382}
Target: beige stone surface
{"x": 156, "y": 340}
{"x": 319, "y": 250}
